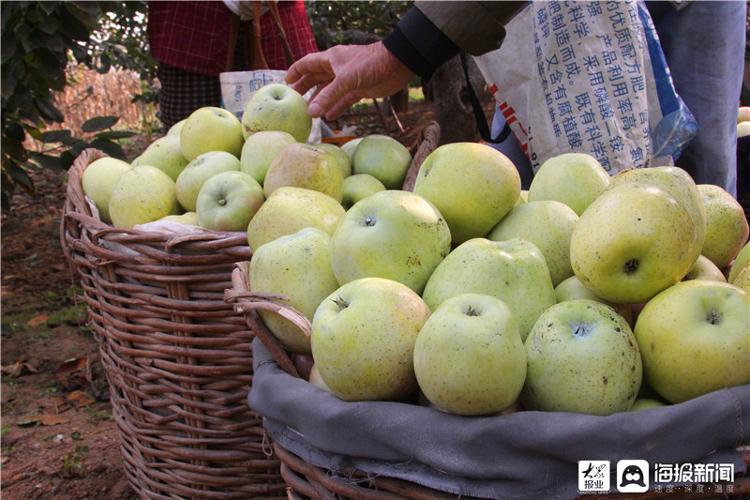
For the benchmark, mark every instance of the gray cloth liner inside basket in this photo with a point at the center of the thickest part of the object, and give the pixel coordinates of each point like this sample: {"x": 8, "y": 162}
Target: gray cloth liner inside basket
{"x": 526, "y": 454}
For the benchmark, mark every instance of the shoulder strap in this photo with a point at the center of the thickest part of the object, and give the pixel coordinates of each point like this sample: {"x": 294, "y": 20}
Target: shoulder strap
{"x": 476, "y": 106}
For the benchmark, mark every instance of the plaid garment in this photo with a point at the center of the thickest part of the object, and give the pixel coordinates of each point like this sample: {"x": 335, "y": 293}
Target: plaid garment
{"x": 194, "y": 36}
{"x": 182, "y": 92}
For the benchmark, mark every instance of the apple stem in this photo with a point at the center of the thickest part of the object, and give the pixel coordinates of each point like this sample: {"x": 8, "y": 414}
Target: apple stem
{"x": 470, "y": 311}
{"x": 713, "y": 317}
{"x": 631, "y": 266}
{"x": 341, "y": 303}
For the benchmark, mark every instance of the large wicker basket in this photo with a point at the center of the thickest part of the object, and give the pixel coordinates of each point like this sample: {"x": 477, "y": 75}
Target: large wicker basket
{"x": 177, "y": 360}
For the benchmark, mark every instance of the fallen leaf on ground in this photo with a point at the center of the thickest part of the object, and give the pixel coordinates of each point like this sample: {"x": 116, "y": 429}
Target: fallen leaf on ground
{"x": 79, "y": 399}
{"x": 37, "y": 320}
{"x": 43, "y": 419}
{"x": 18, "y": 368}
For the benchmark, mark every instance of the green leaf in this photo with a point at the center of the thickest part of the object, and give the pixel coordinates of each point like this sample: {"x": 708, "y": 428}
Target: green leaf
{"x": 99, "y": 123}
{"x": 111, "y": 148}
{"x": 15, "y": 131}
{"x": 116, "y": 134}
{"x": 48, "y": 111}
{"x": 47, "y": 161}
{"x": 20, "y": 177}
{"x": 55, "y": 136}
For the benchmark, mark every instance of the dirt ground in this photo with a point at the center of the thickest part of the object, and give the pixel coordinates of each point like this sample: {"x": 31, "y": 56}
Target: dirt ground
{"x": 57, "y": 435}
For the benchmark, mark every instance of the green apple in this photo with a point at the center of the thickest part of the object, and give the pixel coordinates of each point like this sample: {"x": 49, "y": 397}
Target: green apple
{"x": 290, "y": 209}
{"x": 350, "y": 147}
{"x": 188, "y": 219}
{"x": 363, "y": 337}
{"x": 575, "y": 179}
{"x": 726, "y": 226}
{"x": 142, "y": 194}
{"x": 680, "y": 186}
{"x": 260, "y": 149}
{"x": 297, "y": 266}
{"x": 473, "y": 186}
{"x": 316, "y": 380}
{"x": 164, "y": 154}
{"x": 342, "y": 159}
{"x": 469, "y": 358}
{"x": 392, "y": 234}
{"x": 704, "y": 269}
{"x": 176, "y": 129}
{"x": 631, "y": 243}
{"x": 384, "y": 158}
{"x": 98, "y": 181}
{"x": 277, "y": 107}
{"x": 514, "y": 271}
{"x": 523, "y": 197}
{"x": 358, "y": 187}
{"x": 210, "y": 129}
{"x": 227, "y": 201}
{"x": 198, "y": 171}
{"x": 548, "y": 225}
{"x": 646, "y": 404}
{"x": 573, "y": 289}
{"x": 743, "y": 129}
{"x": 740, "y": 262}
{"x": 305, "y": 166}
{"x": 582, "y": 358}
{"x": 742, "y": 280}
{"x": 695, "y": 338}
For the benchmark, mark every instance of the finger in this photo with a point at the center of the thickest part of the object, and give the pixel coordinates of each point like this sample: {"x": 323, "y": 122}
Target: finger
{"x": 329, "y": 96}
{"x": 342, "y": 105}
{"x": 309, "y": 81}
{"x": 317, "y": 62}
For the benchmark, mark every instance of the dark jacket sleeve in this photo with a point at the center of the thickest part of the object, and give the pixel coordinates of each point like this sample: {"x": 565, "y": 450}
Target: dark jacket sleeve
{"x": 430, "y": 33}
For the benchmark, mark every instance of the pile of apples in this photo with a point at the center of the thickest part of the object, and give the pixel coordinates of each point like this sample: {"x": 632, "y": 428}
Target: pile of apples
{"x": 473, "y": 296}
{"x": 215, "y": 171}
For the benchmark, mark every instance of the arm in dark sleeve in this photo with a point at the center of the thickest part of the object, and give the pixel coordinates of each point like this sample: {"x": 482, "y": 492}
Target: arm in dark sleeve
{"x": 430, "y": 33}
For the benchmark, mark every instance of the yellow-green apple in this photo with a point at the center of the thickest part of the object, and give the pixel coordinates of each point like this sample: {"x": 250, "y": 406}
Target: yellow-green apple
{"x": 548, "y": 225}
{"x": 290, "y": 209}
{"x": 743, "y": 129}
{"x": 342, "y": 159}
{"x": 363, "y": 337}
{"x": 198, "y": 171}
{"x": 514, "y": 271}
{"x": 575, "y": 179}
{"x": 98, "y": 181}
{"x": 743, "y": 114}
{"x": 350, "y": 147}
{"x": 176, "y": 128}
{"x": 260, "y": 149}
{"x": 277, "y": 107}
{"x": 573, "y": 289}
{"x": 645, "y": 404}
{"x": 680, "y": 186}
{"x": 227, "y": 201}
{"x": 632, "y": 242}
{"x": 742, "y": 280}
{"x": 384, "y": 158}
{"x": 297, "y": 266}
{"x": 473, "y": 186}
{"x": 395, "y": 235}
{"x": 305, "y": 166}
{"x": 469, "y": 358}
{"x": 210, "y": 129}
{"x": 316, "y": 380}
{"x": 188, "y": 219}
{"x": 523, "y": 197}
{"x": 142, "y": 194}
{"x": 704, "y": 269}
{"x": 695, "y": 338}
{"x": 582, "y": 358}
{"x": 726, "y": 226}
{"x": 164, "y": 154}
{"x": 359, "y": 186}
{"x": 740, "y": 262}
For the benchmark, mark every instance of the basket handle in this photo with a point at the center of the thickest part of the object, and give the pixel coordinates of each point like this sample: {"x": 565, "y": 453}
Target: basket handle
{"x": 426, "y": 142}
{"x": 248, "y": 303}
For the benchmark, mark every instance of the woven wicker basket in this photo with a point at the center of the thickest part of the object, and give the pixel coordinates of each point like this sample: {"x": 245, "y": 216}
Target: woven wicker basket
{"x": 177, "y": 360}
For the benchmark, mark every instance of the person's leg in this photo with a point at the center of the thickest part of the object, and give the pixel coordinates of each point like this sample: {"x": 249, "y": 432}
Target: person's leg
{"x": 182, "y": 92}
{"x": 704, "y": 47}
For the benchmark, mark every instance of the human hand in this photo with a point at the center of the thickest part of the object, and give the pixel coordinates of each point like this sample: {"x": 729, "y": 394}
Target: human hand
{"x": 345, "y": 74}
